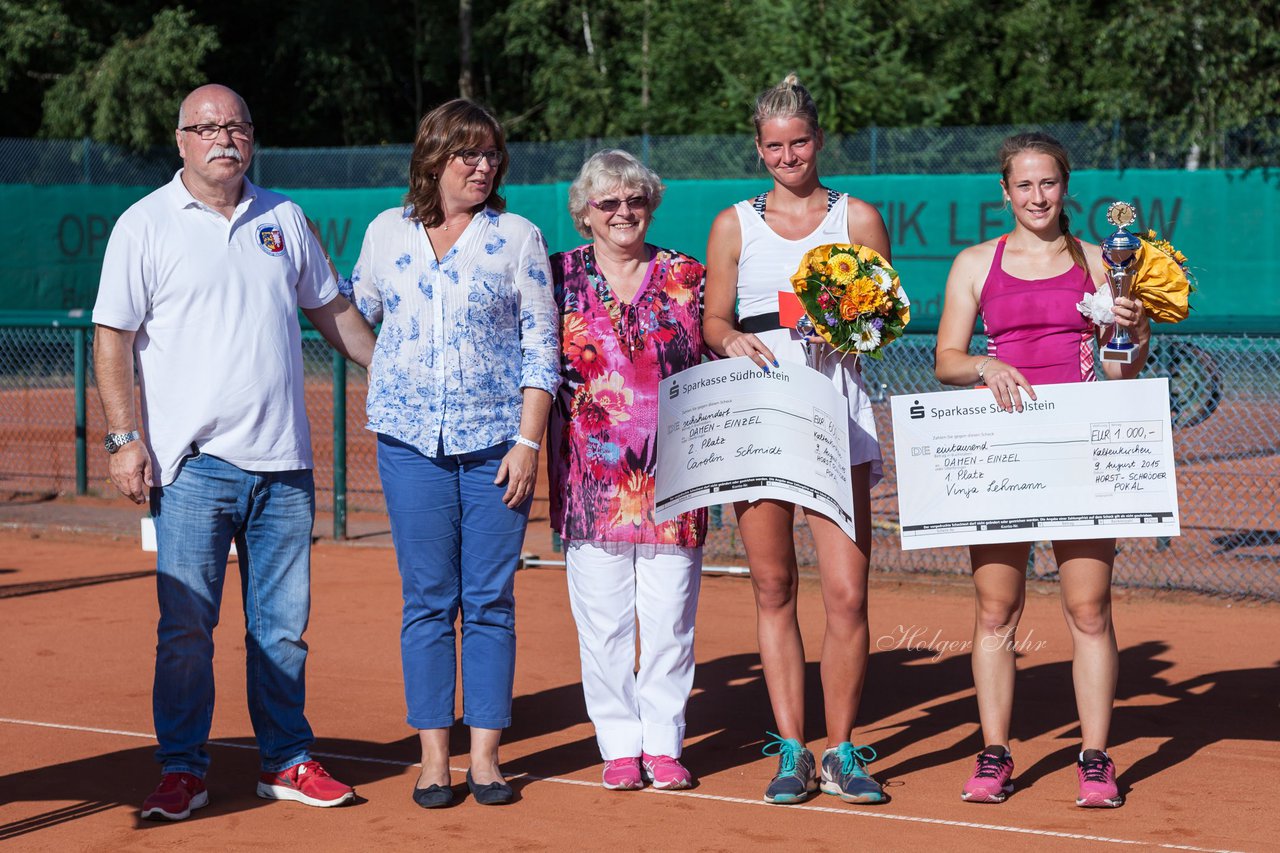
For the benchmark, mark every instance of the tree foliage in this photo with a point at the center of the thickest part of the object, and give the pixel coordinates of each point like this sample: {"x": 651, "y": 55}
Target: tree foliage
{"x": 320, "y": 74}
{"x": 128, "y": 94}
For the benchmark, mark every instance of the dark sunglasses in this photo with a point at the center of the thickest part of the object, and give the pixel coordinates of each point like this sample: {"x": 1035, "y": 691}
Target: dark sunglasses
{"x": 611, "y": 205}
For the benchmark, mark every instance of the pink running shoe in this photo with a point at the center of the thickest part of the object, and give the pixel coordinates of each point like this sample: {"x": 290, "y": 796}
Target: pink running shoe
{"x": 307, "y": 783}
{"x": 176, "y": 796}
{"x": 992, "y": 779}
{"x": 665, "y": 772}
{"x": 623, "y": 774}
{"x": 1098, "y": 789}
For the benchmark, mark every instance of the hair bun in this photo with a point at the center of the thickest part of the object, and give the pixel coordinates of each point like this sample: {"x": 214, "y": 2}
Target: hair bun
{"x": 788, "y": 99}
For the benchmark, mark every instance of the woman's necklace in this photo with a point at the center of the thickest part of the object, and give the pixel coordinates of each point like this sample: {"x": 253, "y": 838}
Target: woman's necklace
{"x": 445, "y": 222}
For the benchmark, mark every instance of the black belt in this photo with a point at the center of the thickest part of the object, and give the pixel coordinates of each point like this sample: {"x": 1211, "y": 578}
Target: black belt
{"x": 760, "y": 323}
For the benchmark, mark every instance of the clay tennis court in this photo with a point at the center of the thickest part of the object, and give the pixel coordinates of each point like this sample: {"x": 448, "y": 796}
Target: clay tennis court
{"x": 1195, "y": 731}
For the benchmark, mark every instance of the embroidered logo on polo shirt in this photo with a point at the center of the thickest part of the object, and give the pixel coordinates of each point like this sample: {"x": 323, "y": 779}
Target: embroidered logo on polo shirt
{"x": 270, "y": 239}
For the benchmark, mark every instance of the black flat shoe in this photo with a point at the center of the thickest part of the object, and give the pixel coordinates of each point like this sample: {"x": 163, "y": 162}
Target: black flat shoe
{"x": 493, "y": 794}
{"x": 433, "y": 797}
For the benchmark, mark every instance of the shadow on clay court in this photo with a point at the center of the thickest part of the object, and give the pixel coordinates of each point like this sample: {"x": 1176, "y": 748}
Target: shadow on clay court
{"x": 1044, "y": 703}
{"x": 728, "y": 714}
{"x": 16, "y": 590}
{"x": 1190, "y": 716}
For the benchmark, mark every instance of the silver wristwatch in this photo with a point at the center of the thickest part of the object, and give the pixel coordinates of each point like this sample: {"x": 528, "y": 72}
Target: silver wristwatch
{"x": 116, "y": 440}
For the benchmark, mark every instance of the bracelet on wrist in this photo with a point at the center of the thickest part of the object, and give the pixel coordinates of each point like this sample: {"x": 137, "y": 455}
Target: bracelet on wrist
{"x": 527, "y": 442}
{"x": 982, "y": 366}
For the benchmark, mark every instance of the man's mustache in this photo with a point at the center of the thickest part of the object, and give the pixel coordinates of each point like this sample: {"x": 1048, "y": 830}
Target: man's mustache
{"x": 218, "y": 151}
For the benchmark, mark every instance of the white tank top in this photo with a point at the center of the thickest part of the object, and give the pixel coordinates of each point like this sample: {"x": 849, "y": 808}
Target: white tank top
{"x": 767, "y": 261}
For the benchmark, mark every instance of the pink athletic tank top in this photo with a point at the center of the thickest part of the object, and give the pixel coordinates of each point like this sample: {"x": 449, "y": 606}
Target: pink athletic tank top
{"x": 1035, "y": 325}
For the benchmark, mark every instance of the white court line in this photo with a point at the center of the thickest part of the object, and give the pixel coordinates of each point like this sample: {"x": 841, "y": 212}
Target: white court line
{"x": 843, "y": 812}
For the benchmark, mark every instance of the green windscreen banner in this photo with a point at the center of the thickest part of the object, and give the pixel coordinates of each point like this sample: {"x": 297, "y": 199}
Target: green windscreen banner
{"x": 56, "y": 235}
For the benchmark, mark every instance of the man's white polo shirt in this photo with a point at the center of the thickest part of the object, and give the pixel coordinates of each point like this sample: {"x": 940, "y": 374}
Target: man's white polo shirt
{"x": 214, "y": 304}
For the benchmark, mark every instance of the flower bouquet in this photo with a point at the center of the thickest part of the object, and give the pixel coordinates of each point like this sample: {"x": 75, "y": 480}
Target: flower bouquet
{"x": 1161, "y": 280}
{"x": 853, "y": 297}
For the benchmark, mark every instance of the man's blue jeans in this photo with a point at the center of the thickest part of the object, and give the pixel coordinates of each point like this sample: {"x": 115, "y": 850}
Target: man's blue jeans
{"x": 457, "y": 546}
{"x": 269, "y": 514}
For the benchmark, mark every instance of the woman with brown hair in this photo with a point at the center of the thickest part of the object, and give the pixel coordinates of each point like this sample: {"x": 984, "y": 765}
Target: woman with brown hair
{"x": 1026, "y": 286}
{"x": 459, "y": 391}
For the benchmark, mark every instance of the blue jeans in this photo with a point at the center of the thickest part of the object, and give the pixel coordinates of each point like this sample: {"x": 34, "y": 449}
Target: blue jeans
{"x": 269, "y": 514}
{"x": 457, "y": 546}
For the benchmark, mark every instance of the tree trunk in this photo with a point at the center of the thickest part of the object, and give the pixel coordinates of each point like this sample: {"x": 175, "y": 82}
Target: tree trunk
{"x": 466, "y": 86}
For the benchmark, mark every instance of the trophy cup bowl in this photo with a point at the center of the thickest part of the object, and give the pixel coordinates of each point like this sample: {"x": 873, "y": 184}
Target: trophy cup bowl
{"x": 806, "y": 328}
{"x": 1120, "y": 254}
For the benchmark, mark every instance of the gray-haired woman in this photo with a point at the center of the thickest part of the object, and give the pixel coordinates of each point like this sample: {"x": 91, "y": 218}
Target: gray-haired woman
{"x": 630, "y": 315}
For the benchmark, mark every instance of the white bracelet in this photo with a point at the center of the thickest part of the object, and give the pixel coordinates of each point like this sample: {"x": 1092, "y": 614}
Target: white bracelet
{"x": 982, "y": 365}
{"x": 527, "y": 442}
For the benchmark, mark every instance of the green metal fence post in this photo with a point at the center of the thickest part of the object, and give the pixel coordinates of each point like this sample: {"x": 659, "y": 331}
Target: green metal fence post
{"x": 82, "y": 459}
{"x": 339, "y": 447}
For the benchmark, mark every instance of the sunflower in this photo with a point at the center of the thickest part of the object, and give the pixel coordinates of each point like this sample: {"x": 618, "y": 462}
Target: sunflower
{"x": 842, "y": 268}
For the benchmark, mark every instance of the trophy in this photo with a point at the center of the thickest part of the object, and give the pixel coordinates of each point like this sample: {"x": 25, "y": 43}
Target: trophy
{"x": 1120, "y": 254}
{"x": 805, "y": 327}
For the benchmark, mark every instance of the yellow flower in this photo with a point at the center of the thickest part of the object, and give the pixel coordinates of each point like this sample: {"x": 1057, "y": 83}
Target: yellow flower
{"x": 862, "y": 297}
{"x": 843, "y": 268}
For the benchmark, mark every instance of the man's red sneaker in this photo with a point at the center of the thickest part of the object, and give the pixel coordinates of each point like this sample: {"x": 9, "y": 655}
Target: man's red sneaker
{"x": 308, "y": 783}
{"x": 175, "y": 797}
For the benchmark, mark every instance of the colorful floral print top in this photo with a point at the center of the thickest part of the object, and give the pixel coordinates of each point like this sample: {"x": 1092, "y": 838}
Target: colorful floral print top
{"x": 605, "y": 419}
{"x": 460, "y": 336}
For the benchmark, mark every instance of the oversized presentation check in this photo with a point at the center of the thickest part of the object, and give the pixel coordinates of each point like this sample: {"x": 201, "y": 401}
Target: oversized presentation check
{"x": 1086, "y": 460}
{"x": 728, "y": 431}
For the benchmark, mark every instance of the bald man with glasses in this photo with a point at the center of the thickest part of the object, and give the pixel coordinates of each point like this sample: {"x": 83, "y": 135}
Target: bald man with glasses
{"x": 201, "y": 284}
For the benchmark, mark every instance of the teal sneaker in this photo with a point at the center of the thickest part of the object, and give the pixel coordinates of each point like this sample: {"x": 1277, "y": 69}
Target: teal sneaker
{"x": 844, "y": 774}
{"x": 796, "y": 778}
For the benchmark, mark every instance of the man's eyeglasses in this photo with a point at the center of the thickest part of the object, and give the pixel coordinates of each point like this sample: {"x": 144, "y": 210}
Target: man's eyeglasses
{"x": 209, "y": 132}
{"x": 471, "y": 156}
{"x": 611, "y": 205}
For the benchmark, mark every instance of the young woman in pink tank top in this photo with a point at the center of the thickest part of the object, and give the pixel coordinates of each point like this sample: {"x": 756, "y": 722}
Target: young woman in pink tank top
{"x": 788, "y": 140}
{"x": 1025, "y": 286}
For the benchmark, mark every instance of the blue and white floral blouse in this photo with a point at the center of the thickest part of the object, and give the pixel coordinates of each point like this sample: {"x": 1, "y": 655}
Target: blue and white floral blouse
{"x": 460, "y": 336}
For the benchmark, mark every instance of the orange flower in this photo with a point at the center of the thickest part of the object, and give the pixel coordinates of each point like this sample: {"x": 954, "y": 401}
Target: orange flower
{"x": 613, "y": 396}
{"x": 629, "y": 504}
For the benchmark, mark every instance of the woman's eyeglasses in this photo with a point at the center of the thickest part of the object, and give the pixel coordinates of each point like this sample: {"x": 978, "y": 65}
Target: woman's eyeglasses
{"x": 471, "y": 156}
{"x": 611, "y": 205}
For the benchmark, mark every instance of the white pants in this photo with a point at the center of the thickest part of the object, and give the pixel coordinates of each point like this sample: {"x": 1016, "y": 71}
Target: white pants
{"x": 612, "y": 585}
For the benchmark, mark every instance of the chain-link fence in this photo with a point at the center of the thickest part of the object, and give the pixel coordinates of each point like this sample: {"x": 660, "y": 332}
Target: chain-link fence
{"x": 1225, "y": 391}
{"x": 875, "y": 150}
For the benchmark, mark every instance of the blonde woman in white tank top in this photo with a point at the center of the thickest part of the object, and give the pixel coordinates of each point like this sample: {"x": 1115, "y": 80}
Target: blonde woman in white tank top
{"x": 748, "y": 262}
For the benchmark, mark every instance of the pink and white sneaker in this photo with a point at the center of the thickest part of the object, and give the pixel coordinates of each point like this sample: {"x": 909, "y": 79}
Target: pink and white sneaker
{"x": 665, "y": 772}
{"x": 1098, "y": 788}
{"x": 623, "y": 774}
{"x": 176, "y": 796}
{"x": 992, "y": 779}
